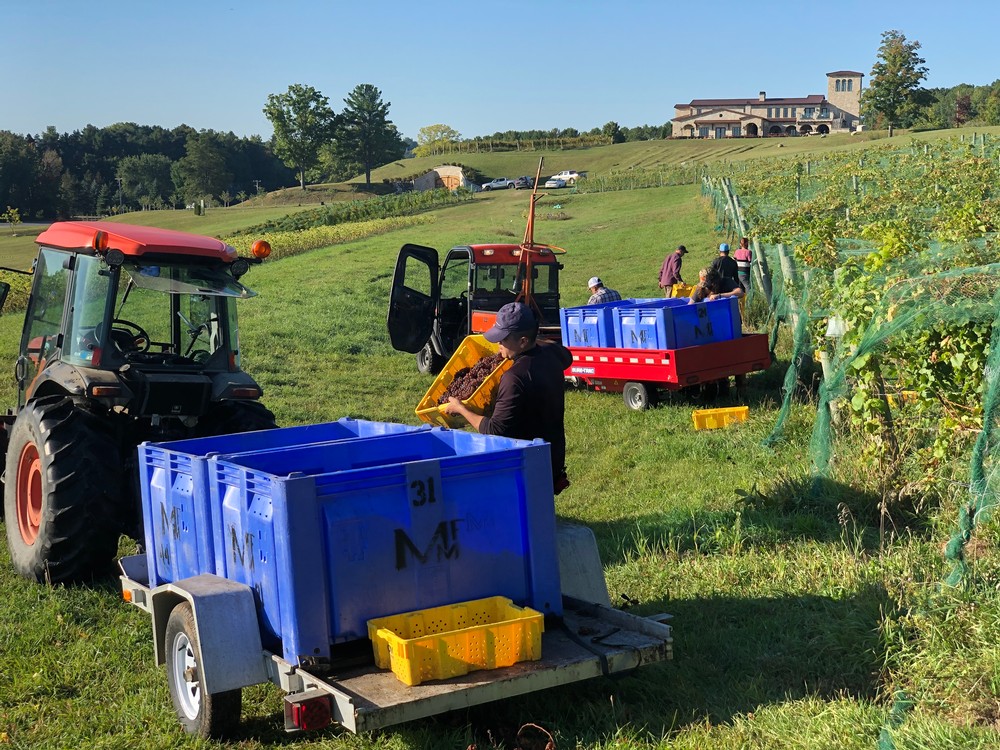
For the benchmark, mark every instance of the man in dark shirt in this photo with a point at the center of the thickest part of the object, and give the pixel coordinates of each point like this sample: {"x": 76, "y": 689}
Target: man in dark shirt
{"x": 530, "y": 400}
{"x": 725, "y": 265}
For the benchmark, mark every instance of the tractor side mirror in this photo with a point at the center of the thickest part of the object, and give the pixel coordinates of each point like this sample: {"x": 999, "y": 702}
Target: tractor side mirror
{"x": 4, "y": 289}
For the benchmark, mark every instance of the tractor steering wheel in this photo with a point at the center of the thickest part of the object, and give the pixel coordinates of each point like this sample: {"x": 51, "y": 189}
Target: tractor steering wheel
{"x": 138, "y": 340}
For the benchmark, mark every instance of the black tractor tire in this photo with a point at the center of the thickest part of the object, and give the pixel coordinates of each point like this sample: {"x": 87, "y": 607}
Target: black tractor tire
{"x": 228, "y": 417}
{"x": 62, "y": 492}
{"x": 207, "y": 715}
{"x": 429, "y": 362}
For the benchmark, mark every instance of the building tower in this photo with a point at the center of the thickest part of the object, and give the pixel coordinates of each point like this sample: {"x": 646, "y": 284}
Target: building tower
{"x": 843, "y": 91}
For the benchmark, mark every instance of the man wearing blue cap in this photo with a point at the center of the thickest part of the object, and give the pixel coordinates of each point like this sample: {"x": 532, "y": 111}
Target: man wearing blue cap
{"x": 530, "y": 400}
{"x": 726, "y": 266}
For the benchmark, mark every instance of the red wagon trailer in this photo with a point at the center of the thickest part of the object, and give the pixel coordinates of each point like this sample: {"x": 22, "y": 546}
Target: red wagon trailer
{"x": 639, "y": 373}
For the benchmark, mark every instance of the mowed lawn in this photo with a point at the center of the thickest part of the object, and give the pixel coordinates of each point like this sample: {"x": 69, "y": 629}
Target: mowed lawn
{"x": 784, "y": 616}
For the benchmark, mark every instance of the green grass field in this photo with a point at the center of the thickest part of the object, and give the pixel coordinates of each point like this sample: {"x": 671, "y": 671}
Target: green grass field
{"x": 792, "y": 626}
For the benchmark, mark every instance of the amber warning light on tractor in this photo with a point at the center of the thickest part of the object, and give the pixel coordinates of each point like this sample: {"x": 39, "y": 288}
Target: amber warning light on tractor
{"x": 261, "y": 249}
{"x": 100, "y": 241}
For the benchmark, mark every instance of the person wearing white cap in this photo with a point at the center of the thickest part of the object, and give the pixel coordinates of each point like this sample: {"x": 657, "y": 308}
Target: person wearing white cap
{"x": 600, "y": 293}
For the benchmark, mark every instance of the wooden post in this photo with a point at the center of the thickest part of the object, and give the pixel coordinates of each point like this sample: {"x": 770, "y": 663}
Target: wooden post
{"x": 759, "y": 265}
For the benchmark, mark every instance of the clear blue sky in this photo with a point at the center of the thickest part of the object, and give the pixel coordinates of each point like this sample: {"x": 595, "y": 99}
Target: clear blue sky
{"x": 478, "y": 66}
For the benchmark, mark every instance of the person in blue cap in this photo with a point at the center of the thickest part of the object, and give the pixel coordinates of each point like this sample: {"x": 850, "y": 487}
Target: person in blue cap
{"x": 530, "y": 400}
{"x": 724, "y": 265}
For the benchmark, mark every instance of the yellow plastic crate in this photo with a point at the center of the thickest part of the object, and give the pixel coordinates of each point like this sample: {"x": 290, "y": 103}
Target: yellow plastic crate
{"x": 710, "y": 419}
{"x": 681, "y": 290}
{"x": 448, "y": 641}
{"x": 471, "y": 350}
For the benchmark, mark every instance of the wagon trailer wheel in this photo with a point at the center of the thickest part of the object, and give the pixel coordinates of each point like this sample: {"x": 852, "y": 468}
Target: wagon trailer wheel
{"x": 639, "y": 396}
{"x": 208, "y": 715}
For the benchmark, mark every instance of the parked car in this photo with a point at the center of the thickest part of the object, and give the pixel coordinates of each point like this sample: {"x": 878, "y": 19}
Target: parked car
{"x": 524, "y": 182}
{"x": 500, "y": 183}
{"x": 569, "y": 176}
{"x": 555, "y": 182}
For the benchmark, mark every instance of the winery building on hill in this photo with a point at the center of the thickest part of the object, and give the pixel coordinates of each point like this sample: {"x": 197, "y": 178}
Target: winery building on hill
{"x": 837, "y": 112}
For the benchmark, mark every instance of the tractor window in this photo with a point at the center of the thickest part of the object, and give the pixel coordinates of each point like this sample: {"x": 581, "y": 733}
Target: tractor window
{"x": 48, "y": 299}
{"x": 90, "y": 297}
{"x": 495, "y": 279}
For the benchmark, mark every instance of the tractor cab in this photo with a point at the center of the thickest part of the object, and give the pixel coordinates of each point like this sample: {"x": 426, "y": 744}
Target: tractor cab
{"x": 135, "y": 318}
{"x": 433, "y": 307}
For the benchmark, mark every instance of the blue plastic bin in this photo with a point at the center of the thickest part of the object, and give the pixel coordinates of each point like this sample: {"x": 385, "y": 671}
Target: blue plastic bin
{"x": 179, "y": 522}
{"x": 332, "y": 536}
{"x": 590, "y": 325}
{"x": 676, "y": 324}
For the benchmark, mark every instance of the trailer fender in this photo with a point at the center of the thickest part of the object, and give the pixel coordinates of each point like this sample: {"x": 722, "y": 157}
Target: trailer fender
{"x": 226, "y": 618}
{"x": 581, "y": 574}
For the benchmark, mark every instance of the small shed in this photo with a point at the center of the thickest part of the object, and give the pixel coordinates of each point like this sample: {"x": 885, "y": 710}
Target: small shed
{"x": 445, "y": 176}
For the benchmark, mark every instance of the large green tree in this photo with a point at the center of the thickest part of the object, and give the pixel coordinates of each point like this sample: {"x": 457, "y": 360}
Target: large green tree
{"x": 303, "y": 122}
{"x": 893, "y": 96}
{"x": 145, "y": 179}
{"x": 202, "y": 172}
{"x": 434, "y": 139}
{"x": 365, "y": 133}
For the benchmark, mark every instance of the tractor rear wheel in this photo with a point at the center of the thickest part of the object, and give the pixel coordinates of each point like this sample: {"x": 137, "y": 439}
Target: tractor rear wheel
{"x": 639, "y": 396}
{"x": 62, "y": 492}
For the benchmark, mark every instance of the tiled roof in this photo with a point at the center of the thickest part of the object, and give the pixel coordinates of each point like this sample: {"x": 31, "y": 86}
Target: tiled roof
{"x": 770, "y": 101}
{"x": 844, "y": 73}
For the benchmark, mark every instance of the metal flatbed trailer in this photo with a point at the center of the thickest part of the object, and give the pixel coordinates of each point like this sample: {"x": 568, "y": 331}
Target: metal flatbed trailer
{"x": 220, "y": 652}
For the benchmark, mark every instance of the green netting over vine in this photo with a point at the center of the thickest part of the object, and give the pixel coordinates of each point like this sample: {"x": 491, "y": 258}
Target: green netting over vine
{"x": 882, "y": 267}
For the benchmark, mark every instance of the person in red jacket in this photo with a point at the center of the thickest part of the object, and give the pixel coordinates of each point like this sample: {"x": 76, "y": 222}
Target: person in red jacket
{"x": 531, "y": 401}
{"x": 670, "y": 271}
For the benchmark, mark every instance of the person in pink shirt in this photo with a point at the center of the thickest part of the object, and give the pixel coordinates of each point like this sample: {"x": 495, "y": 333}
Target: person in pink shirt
{"x": 743, "y": 257}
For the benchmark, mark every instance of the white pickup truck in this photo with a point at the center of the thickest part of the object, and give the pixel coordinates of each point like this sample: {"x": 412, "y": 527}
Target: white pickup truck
{"x": 569, "y": 176}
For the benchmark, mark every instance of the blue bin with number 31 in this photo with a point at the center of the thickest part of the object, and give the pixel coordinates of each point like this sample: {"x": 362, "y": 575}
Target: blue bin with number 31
{"x": 330, "y": 536}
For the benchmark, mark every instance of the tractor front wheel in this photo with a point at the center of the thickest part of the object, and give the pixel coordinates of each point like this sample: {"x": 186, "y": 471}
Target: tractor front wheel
{"x": 639, "y": 396}
{"x": 228, "y": 417}
{"x": 62, "y": 492}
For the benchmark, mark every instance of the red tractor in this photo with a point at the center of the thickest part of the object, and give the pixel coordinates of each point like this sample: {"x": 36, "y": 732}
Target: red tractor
{"x": 129, "y": 335}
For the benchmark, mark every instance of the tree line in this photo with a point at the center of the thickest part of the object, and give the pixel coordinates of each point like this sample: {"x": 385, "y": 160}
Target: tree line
{"x": 125, "y": 166}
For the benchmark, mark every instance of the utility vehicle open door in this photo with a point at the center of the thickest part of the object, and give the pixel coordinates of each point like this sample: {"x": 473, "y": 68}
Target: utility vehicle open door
{"x": 413, "y": 298}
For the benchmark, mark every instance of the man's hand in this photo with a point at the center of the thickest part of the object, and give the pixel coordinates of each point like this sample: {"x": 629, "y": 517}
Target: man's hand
{"x": 455, "y": 406}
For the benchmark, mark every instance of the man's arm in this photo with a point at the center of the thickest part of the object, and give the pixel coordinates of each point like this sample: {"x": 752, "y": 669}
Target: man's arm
{"x": 455, "y": 406}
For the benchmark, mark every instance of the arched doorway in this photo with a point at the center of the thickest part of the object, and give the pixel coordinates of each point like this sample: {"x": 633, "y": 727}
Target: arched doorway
{"x": 689, "y": 131}
{"x": 805, "y": 129}
{"x": 824, "y": 129}
{"x": 790, "y": 130}
{"x": 774, "y": 130}
{"x": 752, "y": 131}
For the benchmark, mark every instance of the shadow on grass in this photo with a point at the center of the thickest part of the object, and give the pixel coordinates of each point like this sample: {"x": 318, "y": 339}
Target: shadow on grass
{"x": 824, "y": 510}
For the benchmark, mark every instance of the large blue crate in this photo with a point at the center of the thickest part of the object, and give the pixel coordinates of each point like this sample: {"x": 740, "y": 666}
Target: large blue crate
{"x": 676, "y": 324}
{"x": 590, "y": 325}
{"x": 332, "y": 536}
{"x": 180, "y": 524}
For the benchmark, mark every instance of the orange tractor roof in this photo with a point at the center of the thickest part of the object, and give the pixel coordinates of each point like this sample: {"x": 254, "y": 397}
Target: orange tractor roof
{"x": 134, "y": 240}
{"x": 510, "y": 253}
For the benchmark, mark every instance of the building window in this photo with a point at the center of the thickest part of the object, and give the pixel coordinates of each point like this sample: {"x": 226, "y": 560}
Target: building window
{"x": 837, "y": 85}
{"x": 793, "y": 111}
{"x": 703, "y": 132}
{"x": 850, "y": 85}
{"x": 808, "y": 112}
{"x": 736, "y": 131}
{"x": 824, "y": 112}
{"x": 769, "y": 112}
{"x": 785, "y": 110}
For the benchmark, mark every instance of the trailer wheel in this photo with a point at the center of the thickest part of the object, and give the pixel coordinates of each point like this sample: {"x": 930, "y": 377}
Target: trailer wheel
{"x": 429, "y": 362}
{"x": 638, "y": 396}
{"x": 208, "y": 715}
{"x": 62, "y": 492}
